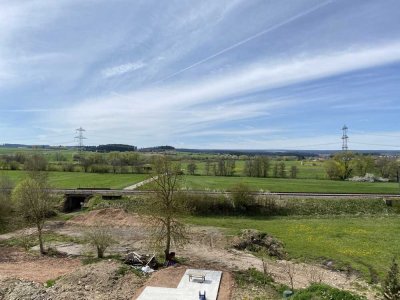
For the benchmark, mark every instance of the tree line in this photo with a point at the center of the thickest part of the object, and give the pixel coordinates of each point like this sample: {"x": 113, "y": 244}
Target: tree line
{"x": 344, "y": 165}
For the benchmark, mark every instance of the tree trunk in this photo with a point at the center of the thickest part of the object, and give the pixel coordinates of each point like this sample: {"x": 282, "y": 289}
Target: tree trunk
{"x": 168, "y": 241}
{"x": 40, "y": 239}
{"x": 100, "y": 252}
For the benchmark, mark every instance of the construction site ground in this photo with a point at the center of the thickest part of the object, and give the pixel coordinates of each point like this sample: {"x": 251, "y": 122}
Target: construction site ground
{"x": 26, "y": 275}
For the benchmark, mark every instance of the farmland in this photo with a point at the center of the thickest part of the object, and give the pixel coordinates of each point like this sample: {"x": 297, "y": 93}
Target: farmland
{"x": 289, "y": 185}
{"x": 82, "y": 180}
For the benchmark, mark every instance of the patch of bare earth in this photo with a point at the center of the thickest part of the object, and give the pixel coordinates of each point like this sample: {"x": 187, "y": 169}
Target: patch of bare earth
{"x": 107, "y": 217}
{"x": 15, "y": 263}
{"x": 100, "y": 281}
{"x": 209, "y": 248}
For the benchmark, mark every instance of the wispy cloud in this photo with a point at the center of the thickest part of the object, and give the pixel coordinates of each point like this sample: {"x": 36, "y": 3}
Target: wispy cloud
{"x": 179, "y": 108}
{"x": 122, "y": 69}
{"x": 282, "y": 70}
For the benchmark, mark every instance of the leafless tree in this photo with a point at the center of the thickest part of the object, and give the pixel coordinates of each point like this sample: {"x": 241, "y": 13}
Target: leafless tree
{"x": 100, "y": 237}
{"x": 165, "y": 208}
{"x": 290, "y": 271}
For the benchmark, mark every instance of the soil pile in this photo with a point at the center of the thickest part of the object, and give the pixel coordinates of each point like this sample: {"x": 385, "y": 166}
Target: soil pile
{"x": 99, "y": 281}
{"x": 106, "y": 217}
{"x": 256, "y": 241}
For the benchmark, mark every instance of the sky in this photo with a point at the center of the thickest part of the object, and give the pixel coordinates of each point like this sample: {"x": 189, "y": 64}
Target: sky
{"x": 237, "y": 74}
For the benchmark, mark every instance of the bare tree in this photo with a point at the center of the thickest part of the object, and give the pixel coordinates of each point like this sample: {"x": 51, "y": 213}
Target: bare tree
{"x": 34, "y": 202}
{"x": 165, "y": 208}
{"x": 290, "y": 270}
{"x": 100, "y": 237}
{"x": 315, "y": 275}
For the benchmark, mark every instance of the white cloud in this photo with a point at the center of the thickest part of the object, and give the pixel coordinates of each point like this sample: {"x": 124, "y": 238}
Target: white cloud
{"x": 122, "y": 69}
{"x": 166, "y": 112}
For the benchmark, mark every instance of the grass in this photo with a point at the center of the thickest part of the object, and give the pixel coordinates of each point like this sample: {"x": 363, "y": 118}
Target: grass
{"x": 83, "y": 180}
{"x": 289, "y": 185}
{"x": 366, "y": 244}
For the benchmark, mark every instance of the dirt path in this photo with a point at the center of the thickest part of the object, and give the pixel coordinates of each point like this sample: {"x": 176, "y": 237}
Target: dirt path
{"x": 139, "y": 184}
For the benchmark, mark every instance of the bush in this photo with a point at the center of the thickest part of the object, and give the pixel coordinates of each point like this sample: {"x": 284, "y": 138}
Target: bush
{"x": 391, "y": 285}
{"x": 68, "y": 167}
{"x": 323, "y": 291}
{"x": 208, "y": 205}
{"x": 252, "y": 276}
{"x": 242, "y": 197}
{"x": 100, "y": 169}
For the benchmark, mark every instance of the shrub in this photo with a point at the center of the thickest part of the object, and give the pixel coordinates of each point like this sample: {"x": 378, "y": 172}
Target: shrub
{"x": 252, "y": 276}
{"x": 324, "y": 292}
{"x": 242, "y": 197}
{"x": 391, "y": 285}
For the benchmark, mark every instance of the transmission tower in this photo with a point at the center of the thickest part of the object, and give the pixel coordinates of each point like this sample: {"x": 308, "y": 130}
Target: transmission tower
{"x": 345, "y": 138}
{"x": 80, "y": 138}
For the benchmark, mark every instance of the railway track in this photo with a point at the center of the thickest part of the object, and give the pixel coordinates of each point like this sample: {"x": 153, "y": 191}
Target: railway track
{"x": 113, "y": 192}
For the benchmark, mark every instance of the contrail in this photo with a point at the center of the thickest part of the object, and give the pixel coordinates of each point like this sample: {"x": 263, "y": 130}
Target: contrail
{"x": 247, "y": 40}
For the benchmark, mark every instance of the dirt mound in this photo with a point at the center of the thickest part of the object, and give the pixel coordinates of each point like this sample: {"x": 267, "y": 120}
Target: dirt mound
{"x": 14, "y": 289}
{"x": 106, "y": 216}
{"x": 256, "y": 241}
{"x": 99, "y": 281}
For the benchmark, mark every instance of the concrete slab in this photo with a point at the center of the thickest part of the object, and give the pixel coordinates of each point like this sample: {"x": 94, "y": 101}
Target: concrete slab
{"x": 153, "y": 293}
{"x": 210, "y": 284}
{"x": 187, "y": 289}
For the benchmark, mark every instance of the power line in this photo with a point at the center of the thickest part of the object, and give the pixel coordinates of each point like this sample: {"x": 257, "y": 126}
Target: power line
{"x": 80, "y": 138}
{"x": 370, "y": 144}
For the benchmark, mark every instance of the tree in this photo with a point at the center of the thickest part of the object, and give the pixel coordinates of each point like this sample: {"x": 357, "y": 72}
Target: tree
{"x": 100, "y": 237}
{"x": 191, "y": 167}
{"x": 34, "y": 202}
{"x": 36, "y": 163}
{"x": 207, "y": 167}
{"x": 293, "y": 172}
{"x": 282, "y": 170}
{"x": 275, "y": 170}
{"x": 115, "y": 161}
{"x": 340, "y": 166}
{"x": 391, "y": 285}
{"x": 165, "y": 208}
{"x": 6, "y": 186}
{"x": 363, "y": 164}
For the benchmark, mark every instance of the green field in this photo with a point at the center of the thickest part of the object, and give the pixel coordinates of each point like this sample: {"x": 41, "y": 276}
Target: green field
{"x": 289, "y": 185}
{"x": 367, "y": 244}
{"x": 83, "y": 180}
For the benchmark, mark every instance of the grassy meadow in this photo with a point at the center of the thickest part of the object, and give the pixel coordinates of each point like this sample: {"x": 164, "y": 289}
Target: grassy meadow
{"x": 364, "y": 244}
{"x": 289, "y": 185}
{"x": 82, "y": 180}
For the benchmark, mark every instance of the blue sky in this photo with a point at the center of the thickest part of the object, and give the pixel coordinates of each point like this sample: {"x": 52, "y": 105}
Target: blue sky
{"x": 235, "y": 74}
